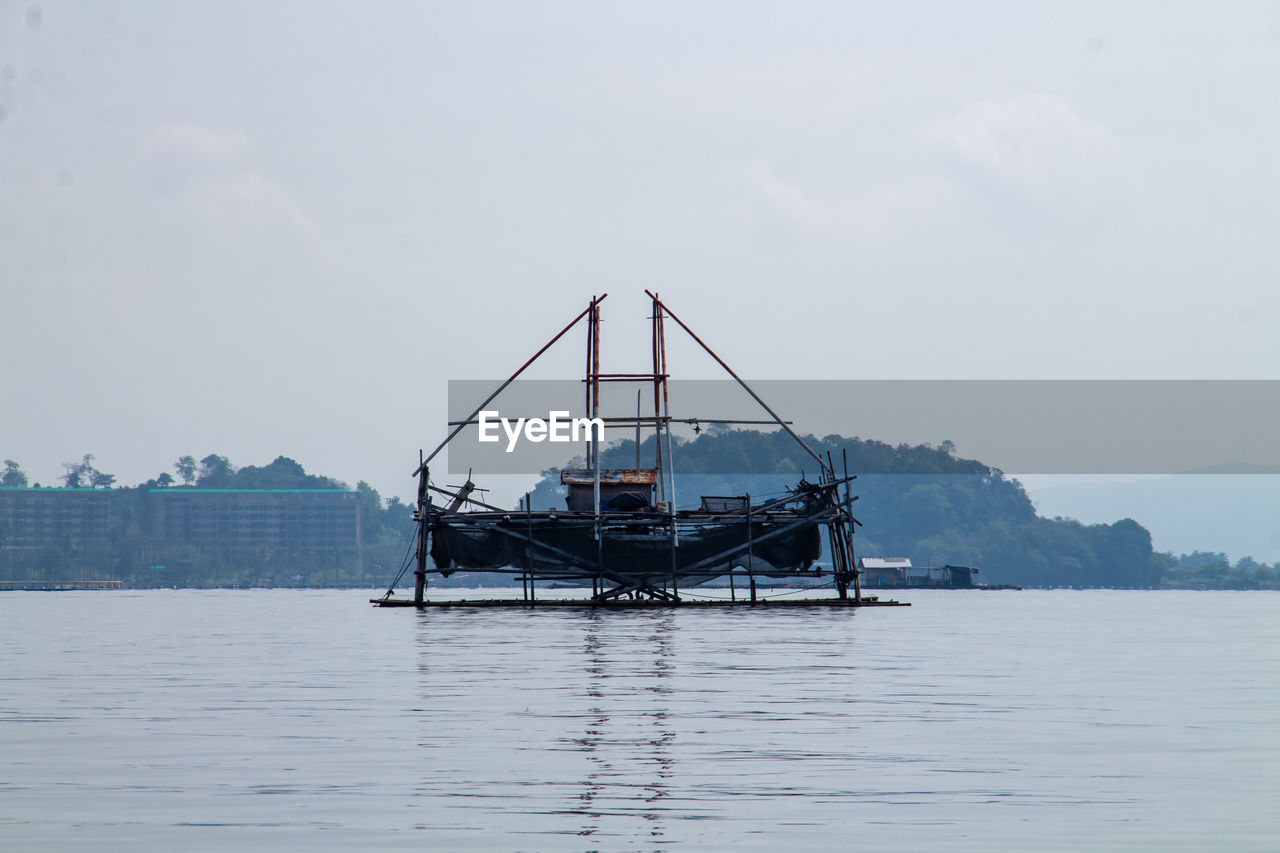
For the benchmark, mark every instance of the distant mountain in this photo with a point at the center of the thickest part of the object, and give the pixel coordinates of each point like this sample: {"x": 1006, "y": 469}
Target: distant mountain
{"x": 1236, "y": 514}
{"x": 930, "y": 505}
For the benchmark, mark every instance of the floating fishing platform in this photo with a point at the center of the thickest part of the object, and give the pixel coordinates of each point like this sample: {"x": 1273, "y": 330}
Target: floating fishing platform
{"x": 620, "y": 532}
{"x": 640, "y": 603}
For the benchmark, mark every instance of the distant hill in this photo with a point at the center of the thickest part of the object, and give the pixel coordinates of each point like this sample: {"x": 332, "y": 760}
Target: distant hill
{"x": 1235, "y": 513}
{"x": 927, "y": 503}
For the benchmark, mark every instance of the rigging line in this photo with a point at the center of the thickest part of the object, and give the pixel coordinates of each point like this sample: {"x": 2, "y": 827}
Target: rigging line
{"x": 739, "y": 380}
{"x": 705, "y": 597}
{"x": 404, "y": 563}
{"x": 829, "y": 585}
{"x": 594, "y": 302}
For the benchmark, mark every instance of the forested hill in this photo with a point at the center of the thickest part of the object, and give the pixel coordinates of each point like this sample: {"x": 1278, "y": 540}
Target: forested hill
{"x": 922, "y": 502}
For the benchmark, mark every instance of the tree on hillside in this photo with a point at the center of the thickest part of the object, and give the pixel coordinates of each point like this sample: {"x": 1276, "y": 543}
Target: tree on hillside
{"x": 215, "y": 472}
{"x": 13, "y": 476}
{"x": 99, "y": 480}
{"x": 282, "y": 473}
{"x": 72, "y": 475}
{"x": 82, "y": 474}
{"x": 186, "y": 468}
{"x": 76, "y": 474}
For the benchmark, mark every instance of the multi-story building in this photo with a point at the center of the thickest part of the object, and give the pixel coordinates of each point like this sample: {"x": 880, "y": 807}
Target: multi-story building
{"x": 294, "y": 524}
{"x": 294, "y": 528}
{"x": 55, "y": 518}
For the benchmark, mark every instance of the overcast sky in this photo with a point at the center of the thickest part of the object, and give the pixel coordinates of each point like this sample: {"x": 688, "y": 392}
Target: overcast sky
{"x": 279, "y": 228}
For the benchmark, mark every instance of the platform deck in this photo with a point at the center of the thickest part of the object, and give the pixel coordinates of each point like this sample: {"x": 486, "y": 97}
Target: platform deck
{"x": 630, "y": 604}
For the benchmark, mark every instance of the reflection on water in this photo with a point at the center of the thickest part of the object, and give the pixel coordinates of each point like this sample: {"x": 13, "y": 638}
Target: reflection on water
{"x": 628, "y": 750}
{"x": 616, "y": 718}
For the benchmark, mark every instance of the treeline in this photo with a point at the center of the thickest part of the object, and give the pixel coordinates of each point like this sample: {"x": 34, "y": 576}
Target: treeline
{"x": 935, "y": 507}
{"x": 923, "y": 502}
{"x": 1212, "y": 570}
{"x": 131, "y": 555}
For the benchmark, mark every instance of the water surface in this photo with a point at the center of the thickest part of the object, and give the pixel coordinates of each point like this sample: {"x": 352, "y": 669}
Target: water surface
{"x": 306, "y": 720}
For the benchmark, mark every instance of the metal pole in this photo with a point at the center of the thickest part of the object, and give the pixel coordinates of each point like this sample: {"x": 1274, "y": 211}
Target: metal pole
{"x": 657, "y": 411}
{"x": 586, "y": 385}
{"x": 593, "y": 382}
{"x": 666, "y": 414}
{"x": 638, "y": 393}
{"x": 750, "y": 542}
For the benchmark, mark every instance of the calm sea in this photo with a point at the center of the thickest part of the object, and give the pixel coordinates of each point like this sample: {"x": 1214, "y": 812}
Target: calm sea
{"x": 307, "y": 720}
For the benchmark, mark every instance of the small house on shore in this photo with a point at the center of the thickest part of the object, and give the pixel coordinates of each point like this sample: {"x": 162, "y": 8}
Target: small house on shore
{"x": 897, "y": 572}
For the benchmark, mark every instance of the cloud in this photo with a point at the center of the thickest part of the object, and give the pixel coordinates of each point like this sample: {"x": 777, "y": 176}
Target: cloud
{"x": 872, "y": 216}
{"x": 246, "y": 199}
{"x": 1034, "y": 143}
{"x": 196, "y": 142}
{"x": 205, "y": 175}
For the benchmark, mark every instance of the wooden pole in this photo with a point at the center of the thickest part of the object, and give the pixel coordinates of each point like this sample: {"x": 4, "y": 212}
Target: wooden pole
{"x": 420, "y": 573}
{"x": 852, "y": 525}
{"x": 528, "y": 520}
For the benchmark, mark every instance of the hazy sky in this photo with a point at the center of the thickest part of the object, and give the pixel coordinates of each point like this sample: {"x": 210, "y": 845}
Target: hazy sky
{"x": 279, "y": 228}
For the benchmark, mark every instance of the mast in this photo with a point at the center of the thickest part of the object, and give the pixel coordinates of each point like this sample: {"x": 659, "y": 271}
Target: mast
{"x": 660, "y": 376}
{"x": 659, "y": 310}
{"x": 657, "y": 411}
{"x": 593, "y": 384}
